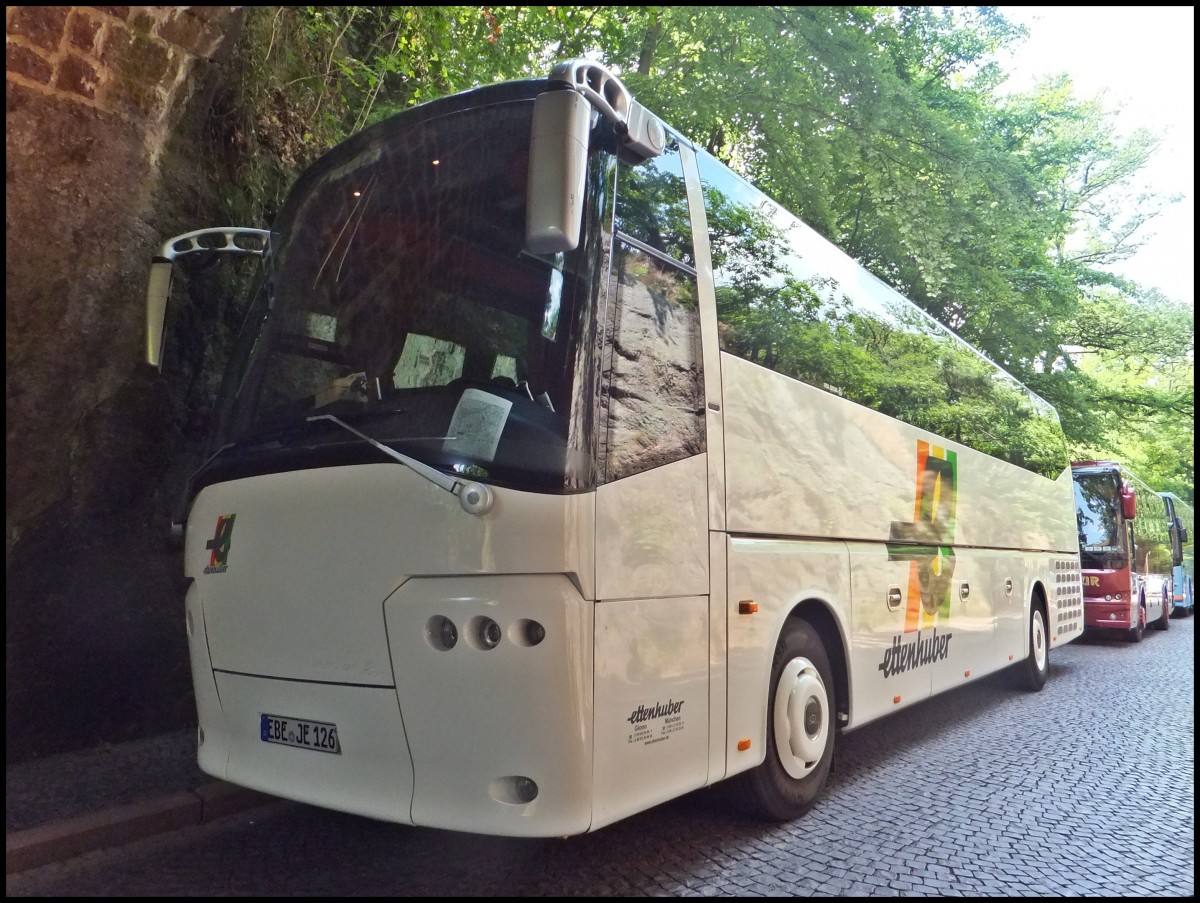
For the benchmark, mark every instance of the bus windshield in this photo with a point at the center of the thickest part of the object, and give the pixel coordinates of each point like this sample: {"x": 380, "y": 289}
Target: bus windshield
{"x": 1097, "y": 507}
{"x": 398, "y": 297}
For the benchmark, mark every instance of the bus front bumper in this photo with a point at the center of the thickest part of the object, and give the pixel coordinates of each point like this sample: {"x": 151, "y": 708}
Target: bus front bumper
{"x": 1103, "y": 615}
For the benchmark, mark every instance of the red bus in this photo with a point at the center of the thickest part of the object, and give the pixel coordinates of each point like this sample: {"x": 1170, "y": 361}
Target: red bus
{"x": 1124, "y": 553}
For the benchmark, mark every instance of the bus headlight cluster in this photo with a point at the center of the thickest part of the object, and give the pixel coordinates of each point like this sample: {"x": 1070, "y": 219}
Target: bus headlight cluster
{"x": 482, "y": 632}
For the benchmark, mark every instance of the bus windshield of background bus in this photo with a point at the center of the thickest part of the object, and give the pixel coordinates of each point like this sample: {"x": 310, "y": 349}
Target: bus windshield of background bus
{"x": 401, "y": 300}
{"x": 1097, "y": 504}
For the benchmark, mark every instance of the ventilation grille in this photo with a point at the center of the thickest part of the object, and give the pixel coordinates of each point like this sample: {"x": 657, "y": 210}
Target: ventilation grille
{"x": 1068, "y": 596}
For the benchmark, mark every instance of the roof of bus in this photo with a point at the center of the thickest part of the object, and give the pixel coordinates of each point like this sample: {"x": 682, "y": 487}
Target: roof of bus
{"x": 1179, "y": 503}
{"x": 499, "y": 92}
{"x": 1114, "y": 466}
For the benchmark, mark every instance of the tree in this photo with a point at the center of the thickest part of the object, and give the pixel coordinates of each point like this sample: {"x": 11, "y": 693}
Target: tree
{"x": 883, "y": 128}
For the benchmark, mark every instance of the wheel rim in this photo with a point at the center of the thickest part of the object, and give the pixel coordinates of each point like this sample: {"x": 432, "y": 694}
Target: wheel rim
{"x": 1038, "y": 640}
{"x": 801, "y": 717}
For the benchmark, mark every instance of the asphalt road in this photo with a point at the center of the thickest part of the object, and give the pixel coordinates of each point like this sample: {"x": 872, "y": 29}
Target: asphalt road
{"x": 1087, "y": 788}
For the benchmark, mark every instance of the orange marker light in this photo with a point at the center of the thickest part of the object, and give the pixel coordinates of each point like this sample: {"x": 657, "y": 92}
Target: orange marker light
{"x": 895, "y": 699}
{"x": 747, "y": 607}
{"x": 743, "y": 744}
{"x": 966, "y": 674}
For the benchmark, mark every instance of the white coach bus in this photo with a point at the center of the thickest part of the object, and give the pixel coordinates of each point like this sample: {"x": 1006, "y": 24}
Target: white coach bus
{"x": 559, "y": 472}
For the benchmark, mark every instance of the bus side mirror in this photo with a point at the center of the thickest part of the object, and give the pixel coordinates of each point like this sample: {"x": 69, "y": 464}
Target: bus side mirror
{"x": 558, "y": 149}
{"x": 158, "y": 289}
{"x": 223, "y": 240}
{"x": 1183, "y": 534}
{"x": 1128, "y": 502}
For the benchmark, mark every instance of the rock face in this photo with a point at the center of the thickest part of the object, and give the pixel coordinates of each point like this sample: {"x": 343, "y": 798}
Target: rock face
{"x": 105, "y": 107}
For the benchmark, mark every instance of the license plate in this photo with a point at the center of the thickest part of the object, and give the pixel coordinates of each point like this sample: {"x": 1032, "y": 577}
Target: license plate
{"x": 300, "y": 733}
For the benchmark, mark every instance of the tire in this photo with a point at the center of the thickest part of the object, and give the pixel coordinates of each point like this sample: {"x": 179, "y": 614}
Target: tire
{"x": 1135, "y": 633}
{"x": 801, "y": 726}
{"x": 1031, "y": 674}
{"x": 1164, "y": 620}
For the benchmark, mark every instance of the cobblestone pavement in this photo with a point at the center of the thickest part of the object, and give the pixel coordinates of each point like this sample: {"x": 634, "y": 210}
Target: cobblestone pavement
{"x": 1084, "y": 789}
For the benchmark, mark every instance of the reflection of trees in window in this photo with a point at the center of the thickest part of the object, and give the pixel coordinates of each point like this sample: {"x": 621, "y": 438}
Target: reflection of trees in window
{"x": 653, "y": 205}
{"x": 779, "y": 308}
{"x": 1152, "y": 532}
{"x": 1096, "y": 512}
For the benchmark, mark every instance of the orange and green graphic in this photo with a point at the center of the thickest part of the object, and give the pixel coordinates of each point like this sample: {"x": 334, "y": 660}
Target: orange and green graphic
{"x": 218, "y": 561}
{"x": 926, "y": 540}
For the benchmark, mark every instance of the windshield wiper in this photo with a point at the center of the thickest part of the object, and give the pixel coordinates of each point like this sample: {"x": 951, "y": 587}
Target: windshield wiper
{"x": 475, "y": 498}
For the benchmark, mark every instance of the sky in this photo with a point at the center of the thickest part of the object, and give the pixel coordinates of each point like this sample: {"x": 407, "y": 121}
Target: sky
{"x": 1142, "y": 61}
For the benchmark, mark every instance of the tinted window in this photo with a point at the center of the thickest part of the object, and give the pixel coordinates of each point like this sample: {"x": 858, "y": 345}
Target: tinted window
{"x": 1097, "y": 500}
{"x": 652, "y": 205}
{"x": 400, "y": 297}
{"x": 1151, "y": 531}
{"x": 652, "y": 403}
{"x": 789, "y": 300}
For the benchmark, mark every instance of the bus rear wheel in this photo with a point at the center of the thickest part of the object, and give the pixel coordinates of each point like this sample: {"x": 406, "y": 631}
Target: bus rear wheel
{"x": 1031, "y": 674}
{"x": 801, "y": 725}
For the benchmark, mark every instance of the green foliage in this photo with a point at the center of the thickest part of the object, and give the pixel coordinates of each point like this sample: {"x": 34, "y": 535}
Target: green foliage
{"x": 881, "y": 127}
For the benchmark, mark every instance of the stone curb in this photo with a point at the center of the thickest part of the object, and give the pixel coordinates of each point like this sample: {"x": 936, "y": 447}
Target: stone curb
{"x": 62, "y": 840}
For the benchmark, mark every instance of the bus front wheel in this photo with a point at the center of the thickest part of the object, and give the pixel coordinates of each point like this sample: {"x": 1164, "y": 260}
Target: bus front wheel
{"x": 801, "y": 725}
{"x": 1164, "y": 621}
{"x": 1135, "y": 633}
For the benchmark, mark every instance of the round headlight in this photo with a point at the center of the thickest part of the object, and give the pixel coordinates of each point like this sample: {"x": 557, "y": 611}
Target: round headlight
{"x": 489, "y": 633}
{"x": 534, "y": 633}
{"x": 526, "y": 789}
{"x": 447, "y": 633}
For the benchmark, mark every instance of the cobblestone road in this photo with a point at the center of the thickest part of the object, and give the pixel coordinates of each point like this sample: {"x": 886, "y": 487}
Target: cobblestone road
{"x": 1087, "y": 788}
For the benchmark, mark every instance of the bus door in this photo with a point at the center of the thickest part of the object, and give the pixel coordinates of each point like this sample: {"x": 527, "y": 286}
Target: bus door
{"x": 652, "y": 545}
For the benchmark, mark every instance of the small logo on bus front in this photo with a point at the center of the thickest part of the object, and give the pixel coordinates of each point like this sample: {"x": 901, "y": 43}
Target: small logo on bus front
{"x": 218, "y": 561}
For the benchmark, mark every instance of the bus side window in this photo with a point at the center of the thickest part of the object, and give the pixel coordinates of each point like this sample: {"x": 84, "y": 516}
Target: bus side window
{"x": 652, "y": 402}
{"x": 653, "y": 398}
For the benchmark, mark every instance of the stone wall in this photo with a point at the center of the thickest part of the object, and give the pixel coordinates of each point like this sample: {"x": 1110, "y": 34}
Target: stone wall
{"x": 105, "y": 112}
{"x": 129, "y": 60}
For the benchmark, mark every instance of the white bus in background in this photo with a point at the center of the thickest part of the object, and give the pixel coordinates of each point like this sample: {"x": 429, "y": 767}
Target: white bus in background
{"x": 559, "y": 472}
{"x": 1183, "y": 554}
